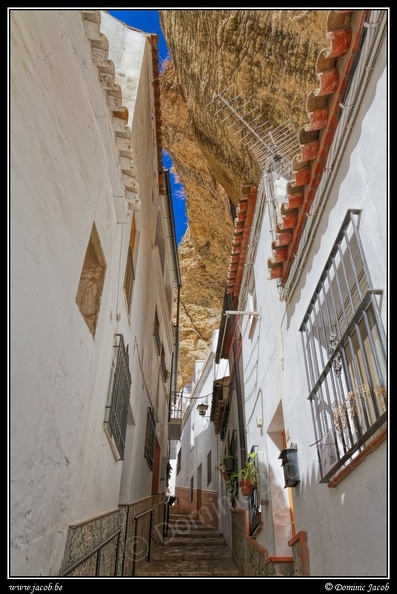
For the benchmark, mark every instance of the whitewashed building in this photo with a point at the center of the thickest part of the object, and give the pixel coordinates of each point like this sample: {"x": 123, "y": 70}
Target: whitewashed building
{"x": 199, "y": 488}
{"x": 312, "y": 355}
{"x": 305, "y": 326}
{"x": 93, "y": 276}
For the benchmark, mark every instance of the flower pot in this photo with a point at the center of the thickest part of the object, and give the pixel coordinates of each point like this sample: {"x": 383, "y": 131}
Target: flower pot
{"x": 246, "y": 488}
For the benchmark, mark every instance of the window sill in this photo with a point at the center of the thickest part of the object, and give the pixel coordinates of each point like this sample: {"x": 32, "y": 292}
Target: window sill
{"x": 374, "y": 444}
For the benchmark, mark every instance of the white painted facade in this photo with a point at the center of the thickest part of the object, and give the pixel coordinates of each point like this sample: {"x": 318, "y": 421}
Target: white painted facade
{"x": 347, "y": 525}
{"x": 198, "y": 441}
{"x": 66, "y": 174}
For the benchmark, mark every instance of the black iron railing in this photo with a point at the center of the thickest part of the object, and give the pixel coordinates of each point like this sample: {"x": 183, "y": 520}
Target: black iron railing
{"x": 96, "y": 551}
{"x": 345, "y": 351}
{"x": 137, "y": 538}
{"x": 254, "y": 505}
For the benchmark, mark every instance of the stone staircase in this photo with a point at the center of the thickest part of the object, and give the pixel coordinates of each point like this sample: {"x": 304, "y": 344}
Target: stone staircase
{"x": 190, "y": 548}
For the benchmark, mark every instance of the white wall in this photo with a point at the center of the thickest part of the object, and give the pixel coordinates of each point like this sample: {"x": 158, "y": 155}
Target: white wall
{"x": 148, "y": 389}
{"x": 198, "y": 437}
{"x": 64, "y": 177}
{"x": 346, "y": 525}
{"x": 58, "y": 373}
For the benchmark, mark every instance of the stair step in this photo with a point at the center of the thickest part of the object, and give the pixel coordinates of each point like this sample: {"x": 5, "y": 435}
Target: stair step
{"x": 194, "y": 533}
{"x": 184, "y": 552}
{"x": 190, "y": 548}
{"x": 201, "y": 567}
{"x": 186, "y": 521}
{"x": 177, "y": 541}
{"x": 185, "y": 516}
{"x": 183, "y": 522}
{"x": 190, "y": 528}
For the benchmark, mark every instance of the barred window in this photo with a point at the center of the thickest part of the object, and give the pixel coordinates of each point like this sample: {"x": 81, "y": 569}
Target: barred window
{"x": 150, "y": 438}
{"x": 163, "y": 365}
{"x": 116, "y": 411}
{"x": 179, "y": 461}
{"x": 191, "y": 491}
{"x": 345, "y": 352}
{"x": 209, "y": 468}
{"x": 156, "y": 332}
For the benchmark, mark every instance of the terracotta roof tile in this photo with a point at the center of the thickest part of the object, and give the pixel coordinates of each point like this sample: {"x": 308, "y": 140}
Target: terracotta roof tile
{"x": 242, "y": 230}
{"x": 333, "y": 68}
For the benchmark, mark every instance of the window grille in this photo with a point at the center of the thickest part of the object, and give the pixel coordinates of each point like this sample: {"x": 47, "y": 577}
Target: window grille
{"x": 345, "y": 353}
{"x": 156, "y": 333}
{"x": 150, "y": 437}
{"x": 209, "y": 468}
{"x": 233, "y": 484}
{"x": 163, "y": 364}
{"x": 116, "y": 411}
{"x": 191, "y": 492}
{"x": 254, "y": 505}
{"x": 179, "y": 461}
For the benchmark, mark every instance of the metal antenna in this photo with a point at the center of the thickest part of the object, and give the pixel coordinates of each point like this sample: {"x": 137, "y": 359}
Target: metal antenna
{"x": 273, "y": 147}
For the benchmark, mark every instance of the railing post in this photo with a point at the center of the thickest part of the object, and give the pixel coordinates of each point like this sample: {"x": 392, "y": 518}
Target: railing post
{"x": 136, "y": 518}
{"x": 95, "y": 550}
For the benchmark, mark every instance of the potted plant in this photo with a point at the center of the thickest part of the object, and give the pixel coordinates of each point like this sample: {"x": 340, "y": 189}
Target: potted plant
{"x": 247, "y": 476}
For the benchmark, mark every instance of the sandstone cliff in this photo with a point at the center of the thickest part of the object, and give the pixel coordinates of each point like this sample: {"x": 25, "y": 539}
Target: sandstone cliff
{"x": 266, "y": 58}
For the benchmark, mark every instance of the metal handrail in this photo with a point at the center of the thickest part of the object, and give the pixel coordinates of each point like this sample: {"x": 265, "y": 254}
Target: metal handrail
{"x": 92, "y": 552}
{"x": 166, "y": 517}
{"x": 137, "y": 517}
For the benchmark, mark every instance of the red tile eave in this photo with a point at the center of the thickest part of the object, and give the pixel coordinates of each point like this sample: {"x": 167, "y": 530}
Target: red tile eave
{"x": 327, "y": 132}
{"x": 241, "y": 235}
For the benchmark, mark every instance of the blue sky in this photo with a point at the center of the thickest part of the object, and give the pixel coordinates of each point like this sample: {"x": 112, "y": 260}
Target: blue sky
{"x": 148, "y": 20}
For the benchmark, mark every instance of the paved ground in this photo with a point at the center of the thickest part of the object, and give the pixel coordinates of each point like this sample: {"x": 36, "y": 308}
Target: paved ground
{"x": 189, "y": 550}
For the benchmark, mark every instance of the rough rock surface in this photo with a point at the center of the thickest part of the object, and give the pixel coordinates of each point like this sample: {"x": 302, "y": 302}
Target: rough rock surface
{"x": 268, "y": 59}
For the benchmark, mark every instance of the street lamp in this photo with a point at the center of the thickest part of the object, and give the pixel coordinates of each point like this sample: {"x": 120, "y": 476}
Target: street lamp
{"x": 202, "y": 408}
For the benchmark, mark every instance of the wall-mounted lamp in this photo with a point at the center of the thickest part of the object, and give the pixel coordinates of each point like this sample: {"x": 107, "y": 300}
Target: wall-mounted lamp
{"x": 289, "y": 457}
{"x": 202, "y": 408}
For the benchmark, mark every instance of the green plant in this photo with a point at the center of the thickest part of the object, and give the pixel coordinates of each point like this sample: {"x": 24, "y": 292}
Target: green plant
{"x": 231, "y": 482}
{"x": 248, "y": 473}
{"x": 168, "y": 472}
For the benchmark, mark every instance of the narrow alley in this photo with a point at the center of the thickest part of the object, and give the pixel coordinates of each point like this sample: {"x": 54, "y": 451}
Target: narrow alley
{"x": 191, "y": 549}
{"x": 243, "y": 372}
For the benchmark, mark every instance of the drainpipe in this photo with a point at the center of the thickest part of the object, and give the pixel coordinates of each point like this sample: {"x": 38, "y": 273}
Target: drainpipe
{"x": 175, "y": 356}
{"x": 240, "y": 408}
